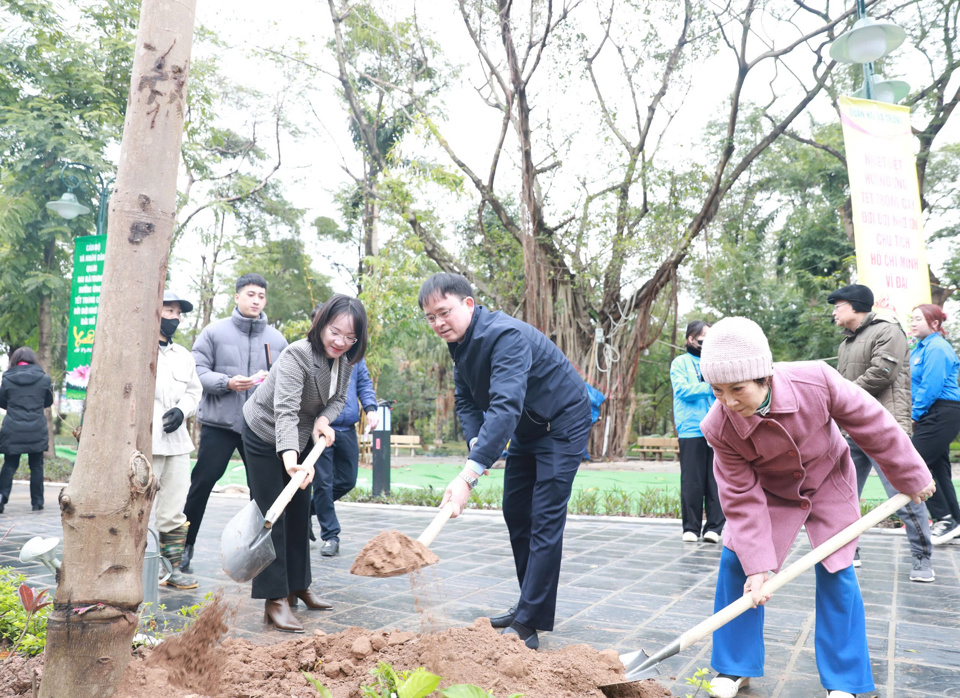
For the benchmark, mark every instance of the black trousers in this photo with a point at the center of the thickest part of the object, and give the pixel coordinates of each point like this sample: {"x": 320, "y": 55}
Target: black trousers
{"x": 11, "y": 461}
{"x": 537, "y": 483}
{"x": 335, "y": 474}
{"x": 931, "y": 437}
{"x": 267, "y": 477}
{"x": 698, "y": 487}
{"x": 213, "y": 455}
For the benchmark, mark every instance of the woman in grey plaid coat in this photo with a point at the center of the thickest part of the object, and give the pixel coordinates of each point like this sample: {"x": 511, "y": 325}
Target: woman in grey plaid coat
{"x": 303, "y": 393}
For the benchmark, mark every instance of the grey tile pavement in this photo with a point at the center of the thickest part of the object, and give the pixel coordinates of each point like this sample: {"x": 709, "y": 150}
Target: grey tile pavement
{"x": 625, "y": 584}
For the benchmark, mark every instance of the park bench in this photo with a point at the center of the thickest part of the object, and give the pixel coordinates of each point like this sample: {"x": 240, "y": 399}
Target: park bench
{"x": 398, "y": 441}
{"x": 657, "y": 446}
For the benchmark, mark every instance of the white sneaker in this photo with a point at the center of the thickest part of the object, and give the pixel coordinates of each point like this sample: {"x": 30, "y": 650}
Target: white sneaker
{"x": 944, "y": 530}
{"x": 711, "y": 537}
{"x": 690, "y": 537}
{"x": 723, "y": 687}
{"x": 839, "y": 694}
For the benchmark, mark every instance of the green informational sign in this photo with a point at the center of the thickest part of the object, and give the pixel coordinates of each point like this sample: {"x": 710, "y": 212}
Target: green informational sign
{"x": 88, "y": 255}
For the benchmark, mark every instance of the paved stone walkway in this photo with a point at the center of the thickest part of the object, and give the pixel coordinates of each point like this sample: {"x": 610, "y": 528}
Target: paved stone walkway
{"x": 625, "y": 584}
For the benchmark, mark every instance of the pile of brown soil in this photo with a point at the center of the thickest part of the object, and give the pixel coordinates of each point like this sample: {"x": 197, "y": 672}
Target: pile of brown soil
{"x": 18, "y": 674}
{"x": 197, "y": 664}
{"x": 390, "y": 554}
{"x": 477, "y": 654}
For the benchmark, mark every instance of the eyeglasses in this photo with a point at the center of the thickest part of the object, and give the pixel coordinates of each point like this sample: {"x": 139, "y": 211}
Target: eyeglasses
{"x": 442, "y": 315}
{"x": 342, "y": 337}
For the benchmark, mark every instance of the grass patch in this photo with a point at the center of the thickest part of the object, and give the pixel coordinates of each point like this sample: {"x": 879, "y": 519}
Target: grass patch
{"x": 592, "y": 501}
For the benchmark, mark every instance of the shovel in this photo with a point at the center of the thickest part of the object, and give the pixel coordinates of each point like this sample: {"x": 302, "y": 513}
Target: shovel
{"x": 639, "y": 666}
{"x": 246, "y": 548}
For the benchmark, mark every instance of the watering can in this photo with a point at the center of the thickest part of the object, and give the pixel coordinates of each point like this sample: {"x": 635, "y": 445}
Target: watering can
{"x": 152, "y": 560}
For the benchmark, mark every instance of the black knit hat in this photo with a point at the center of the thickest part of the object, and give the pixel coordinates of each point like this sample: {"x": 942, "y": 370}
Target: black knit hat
{"x": 858, "y": 296}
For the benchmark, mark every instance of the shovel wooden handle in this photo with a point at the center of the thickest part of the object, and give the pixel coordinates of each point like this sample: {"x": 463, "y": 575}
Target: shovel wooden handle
{"x": 832, "y": 545}
{"x": 273, "y": 513}
{"x": 430, "y": 532}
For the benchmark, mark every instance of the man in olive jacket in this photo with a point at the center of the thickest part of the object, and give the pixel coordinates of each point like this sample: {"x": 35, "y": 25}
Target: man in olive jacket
{"x": 875, "y": 356}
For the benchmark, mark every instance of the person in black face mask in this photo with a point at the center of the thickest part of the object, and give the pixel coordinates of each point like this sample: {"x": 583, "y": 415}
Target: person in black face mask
{"x": 692, "y": 398}
{"x": 176, "y": 397}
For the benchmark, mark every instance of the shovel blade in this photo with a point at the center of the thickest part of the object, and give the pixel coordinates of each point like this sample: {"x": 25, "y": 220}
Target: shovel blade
{"x": 635, "y": 665}
{"x": 246, "y": 548}
{"x": 639, "y": 666}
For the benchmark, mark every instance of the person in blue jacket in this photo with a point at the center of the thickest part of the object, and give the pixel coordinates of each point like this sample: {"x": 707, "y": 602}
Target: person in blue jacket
{"x": 936, "y": 414}
{"x": 336, "y": 468}
{"x": 528, "y": 389}
{"x": 692, "y": 398}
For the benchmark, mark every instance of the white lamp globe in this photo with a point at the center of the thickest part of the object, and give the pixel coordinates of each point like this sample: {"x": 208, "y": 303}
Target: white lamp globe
{"x": 67, "y": 206}
{"x": 867, "y": 45}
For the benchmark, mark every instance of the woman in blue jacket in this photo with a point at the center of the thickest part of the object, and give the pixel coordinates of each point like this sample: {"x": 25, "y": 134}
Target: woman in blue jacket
{"x": 936, "y": 414}
{"x": 692, "y": 398}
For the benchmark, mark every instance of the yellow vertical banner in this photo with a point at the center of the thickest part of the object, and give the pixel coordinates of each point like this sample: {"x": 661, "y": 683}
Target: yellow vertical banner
{"x": 888, "y": 229}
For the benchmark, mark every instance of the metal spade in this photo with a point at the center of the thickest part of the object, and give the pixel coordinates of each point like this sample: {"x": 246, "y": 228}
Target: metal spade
{"x": 638, "y": 665}
{"x": 246, "y": 548}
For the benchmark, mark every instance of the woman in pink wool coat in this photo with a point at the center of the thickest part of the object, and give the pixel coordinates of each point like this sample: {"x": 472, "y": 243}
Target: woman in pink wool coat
{"x": 781, "y": 463}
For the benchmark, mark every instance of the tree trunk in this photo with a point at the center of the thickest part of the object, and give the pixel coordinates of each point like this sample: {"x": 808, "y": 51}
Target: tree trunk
{"x": 106, "y": 506}
{"x": 45, "y": 337}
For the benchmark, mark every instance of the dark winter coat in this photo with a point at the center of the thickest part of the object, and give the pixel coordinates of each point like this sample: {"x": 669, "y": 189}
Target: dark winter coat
{"x": 875, "y": 357}
{"x": 24, "y": 392}
{"x": 512, "y": 372}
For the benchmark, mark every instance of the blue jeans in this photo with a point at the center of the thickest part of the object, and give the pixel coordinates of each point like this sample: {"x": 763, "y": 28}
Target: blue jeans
{"x": 916, "y": 522}
{"x": 840, "y": 636}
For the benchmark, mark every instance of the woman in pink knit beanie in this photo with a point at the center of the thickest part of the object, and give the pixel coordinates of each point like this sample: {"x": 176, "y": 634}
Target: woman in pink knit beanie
{"x": 781, "y": 463}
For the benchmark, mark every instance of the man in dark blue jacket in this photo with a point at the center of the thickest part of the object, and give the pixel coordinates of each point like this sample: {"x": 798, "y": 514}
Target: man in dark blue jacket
{"x": 512, "y": 382}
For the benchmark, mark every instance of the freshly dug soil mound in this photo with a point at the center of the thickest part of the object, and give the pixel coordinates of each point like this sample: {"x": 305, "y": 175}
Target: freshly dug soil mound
{"x": 477, "y": 654}
{"x": 391, "y": 553}
{"x": 17, "y": 675}
{"x": 196, "y": 664}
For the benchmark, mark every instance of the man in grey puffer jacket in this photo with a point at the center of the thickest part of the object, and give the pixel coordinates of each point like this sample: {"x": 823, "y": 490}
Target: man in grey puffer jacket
{"x": 231, "y": 362}
{"x": 875, "y": 356}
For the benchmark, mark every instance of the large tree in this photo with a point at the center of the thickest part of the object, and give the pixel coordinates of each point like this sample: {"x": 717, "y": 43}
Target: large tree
{"x": 106, "y": 506}
{"x": 599, "y": 254}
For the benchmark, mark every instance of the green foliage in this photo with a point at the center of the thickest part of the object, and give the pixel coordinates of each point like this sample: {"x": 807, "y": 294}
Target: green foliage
{"x": 646, "y": 503}
{"x": 16, "y": 622}
{"x": 403, "y": 684}
{"x": 321, "y": 689}
{"x": 418, "y": 683}
{"x": 294, "y": 287}
{"x": 63, "y": 87}
{"x": 699, "y": 682}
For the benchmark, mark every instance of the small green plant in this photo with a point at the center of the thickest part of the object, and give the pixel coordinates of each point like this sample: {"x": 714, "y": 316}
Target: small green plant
{"x": 191, "y": 612}
{"x": 22, "y": 628}
{"x": 585, "y": 502}
{"x": 404, "y": 684}
{"x": 419, "y": 683}
{"x": 32, "y": 603}
{"x": 699, "y": 682}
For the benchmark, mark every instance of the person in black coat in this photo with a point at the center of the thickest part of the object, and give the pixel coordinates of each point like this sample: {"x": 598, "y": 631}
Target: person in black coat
{"x": 25, "y": 392}
{"x": 513, "y": 383}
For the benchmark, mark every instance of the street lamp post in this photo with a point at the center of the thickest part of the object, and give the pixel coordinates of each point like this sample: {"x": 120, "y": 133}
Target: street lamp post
{"x": 67, "y": 205}
{"x": 867, "y": 41}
